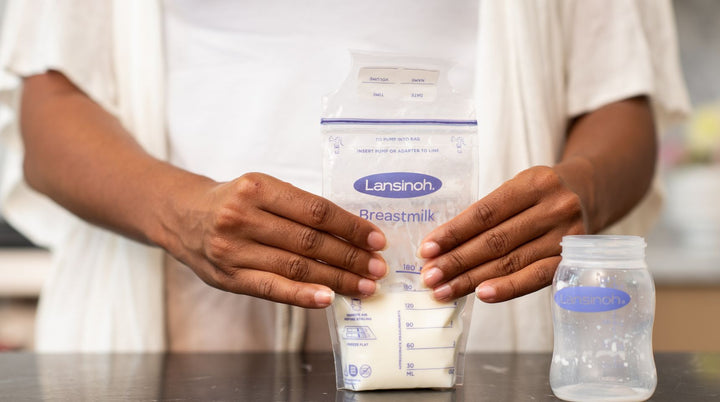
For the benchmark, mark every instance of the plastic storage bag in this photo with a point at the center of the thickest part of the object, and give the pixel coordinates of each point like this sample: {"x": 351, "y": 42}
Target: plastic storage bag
{"x": 399, "y": 150}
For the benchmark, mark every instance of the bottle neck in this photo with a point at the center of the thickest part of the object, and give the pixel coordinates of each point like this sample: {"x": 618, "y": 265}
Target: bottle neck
{"x": 604, "y": 251}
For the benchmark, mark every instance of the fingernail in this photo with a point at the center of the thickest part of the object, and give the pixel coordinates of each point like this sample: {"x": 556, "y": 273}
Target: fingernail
{"x": 428, "y": 250}
{"x": 443, "y": 292}
{"x": 485, "y": 293}
{"x": 324, "y": 297}
{"x": 431, "y": 276}
{"x": 366, "y": 286}
{"x": 377, "y": 267}
{"x": 376, "y": 240}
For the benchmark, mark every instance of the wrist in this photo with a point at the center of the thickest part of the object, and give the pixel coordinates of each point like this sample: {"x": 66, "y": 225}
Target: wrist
{"x": 179, "y": 200}
{"x": 578, "y": 174}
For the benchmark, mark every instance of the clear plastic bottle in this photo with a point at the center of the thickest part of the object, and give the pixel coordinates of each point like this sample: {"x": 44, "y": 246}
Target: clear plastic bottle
{"x": 603, "y": 311}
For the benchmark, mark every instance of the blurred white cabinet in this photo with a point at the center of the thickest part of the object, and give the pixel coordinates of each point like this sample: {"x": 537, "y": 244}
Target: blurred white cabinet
{"x": 23, "y": 272}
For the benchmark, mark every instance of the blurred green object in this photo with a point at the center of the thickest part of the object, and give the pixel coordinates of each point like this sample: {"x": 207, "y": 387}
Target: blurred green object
{"x": 703, "y": 134}
{"x": 709, "y": 365}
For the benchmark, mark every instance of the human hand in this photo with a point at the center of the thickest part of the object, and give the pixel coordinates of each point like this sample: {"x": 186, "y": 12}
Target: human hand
{"x": 259, "y": 236}
{"x": 507, "y": 244}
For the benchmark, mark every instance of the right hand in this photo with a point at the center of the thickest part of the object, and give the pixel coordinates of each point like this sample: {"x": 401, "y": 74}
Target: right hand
{"x": 259, "y": 236}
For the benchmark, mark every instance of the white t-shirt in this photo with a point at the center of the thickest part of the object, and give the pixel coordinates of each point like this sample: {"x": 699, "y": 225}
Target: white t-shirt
{"x": 245, "y": 79}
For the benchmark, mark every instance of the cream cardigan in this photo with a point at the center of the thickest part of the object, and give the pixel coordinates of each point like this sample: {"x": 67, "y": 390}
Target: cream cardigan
{"x": 539, "y": 63}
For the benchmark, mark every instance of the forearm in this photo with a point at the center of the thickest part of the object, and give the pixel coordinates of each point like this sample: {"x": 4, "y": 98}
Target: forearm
{"x": 254, "y": 235}
{"x": 81, "y": 157}
{"x": 609, "y": 160}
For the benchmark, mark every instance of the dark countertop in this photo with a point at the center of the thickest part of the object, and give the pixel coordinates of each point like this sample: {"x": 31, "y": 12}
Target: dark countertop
{"x": 303, "y": 377}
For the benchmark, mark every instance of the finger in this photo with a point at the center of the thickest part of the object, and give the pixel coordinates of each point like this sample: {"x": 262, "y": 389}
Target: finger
{"x": 515, "y": 261}
{"x": 285, "y": 200}
{"x": 262, "y": 284}
{"x": 306, "y": 241}
{"x": 533, "y": 277}
{"x": 301, "y": 269}
{"x": 511, "y": 198}
{"x": 280, "y": 289}
{"x": 489, "y": 245}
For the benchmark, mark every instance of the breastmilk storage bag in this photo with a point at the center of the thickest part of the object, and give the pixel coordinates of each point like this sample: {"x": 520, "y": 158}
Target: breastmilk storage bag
{"x": 400, "y": 151}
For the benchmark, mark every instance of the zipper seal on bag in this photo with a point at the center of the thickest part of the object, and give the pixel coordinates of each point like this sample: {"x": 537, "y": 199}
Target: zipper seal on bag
{"x": 430, "y": 122}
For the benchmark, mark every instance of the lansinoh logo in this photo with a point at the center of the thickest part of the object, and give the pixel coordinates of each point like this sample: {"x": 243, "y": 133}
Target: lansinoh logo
{"x": 590, "y": 299}
{"x": 398, "y": 184}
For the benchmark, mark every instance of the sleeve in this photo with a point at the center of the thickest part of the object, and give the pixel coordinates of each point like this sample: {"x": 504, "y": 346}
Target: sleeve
{"x": 70, "y": 36}
{"x": 618, "y": 49}
{"x": 623, "y": 48}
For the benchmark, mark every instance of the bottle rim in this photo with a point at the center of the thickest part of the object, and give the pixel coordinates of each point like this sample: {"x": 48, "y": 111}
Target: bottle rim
{"x": 603, "y": 247}
{"x": 612, "y": 241}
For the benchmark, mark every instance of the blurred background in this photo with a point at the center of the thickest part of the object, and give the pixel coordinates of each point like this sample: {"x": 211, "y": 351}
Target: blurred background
{"x": 683, "y": 249}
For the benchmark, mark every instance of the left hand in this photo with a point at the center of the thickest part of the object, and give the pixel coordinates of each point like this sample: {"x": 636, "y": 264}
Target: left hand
{"x": 507, "y": 244}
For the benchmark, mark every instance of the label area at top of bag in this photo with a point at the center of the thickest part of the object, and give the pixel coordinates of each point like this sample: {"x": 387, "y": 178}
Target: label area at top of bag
{"x": 398, "y": 83}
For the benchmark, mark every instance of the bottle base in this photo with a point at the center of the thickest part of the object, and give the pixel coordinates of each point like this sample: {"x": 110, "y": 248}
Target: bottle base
{"x": 602, "y": 392}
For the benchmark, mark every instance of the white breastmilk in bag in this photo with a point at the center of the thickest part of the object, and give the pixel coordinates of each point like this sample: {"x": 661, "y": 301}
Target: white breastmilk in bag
{"x": 399, "y": 150}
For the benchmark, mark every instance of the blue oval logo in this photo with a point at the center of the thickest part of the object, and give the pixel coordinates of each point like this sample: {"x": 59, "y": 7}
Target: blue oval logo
{"x": 591, "y": 299}
{"x": 398, "y": 185}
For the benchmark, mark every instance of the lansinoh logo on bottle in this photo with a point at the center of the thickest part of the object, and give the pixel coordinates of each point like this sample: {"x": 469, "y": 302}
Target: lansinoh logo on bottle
{"x": 398, "y": 184}
{"x": 591, "y": 299}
